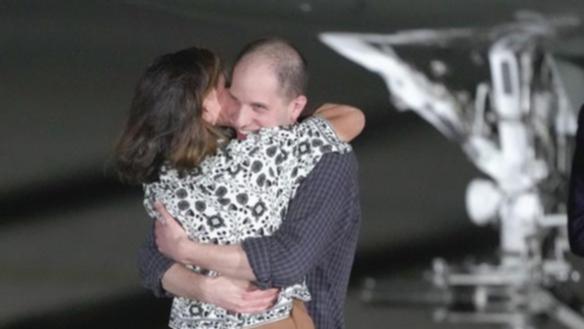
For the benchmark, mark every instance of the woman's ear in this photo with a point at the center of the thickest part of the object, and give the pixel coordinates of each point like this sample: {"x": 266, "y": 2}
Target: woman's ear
{"x": 207, "y": 115}
{"x": 210, "y": 110}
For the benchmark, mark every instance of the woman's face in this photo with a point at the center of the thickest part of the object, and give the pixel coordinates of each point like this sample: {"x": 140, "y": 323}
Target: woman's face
{"x": 212, "y": 104}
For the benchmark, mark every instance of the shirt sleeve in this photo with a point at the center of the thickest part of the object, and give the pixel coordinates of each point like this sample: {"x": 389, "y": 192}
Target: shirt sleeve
{"x": 576, "y": 193}
{"x": 313, "y": 223}
{"x": 152, "y": 265}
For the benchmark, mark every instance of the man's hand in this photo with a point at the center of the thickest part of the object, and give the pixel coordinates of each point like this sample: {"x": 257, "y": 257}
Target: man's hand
{"x": 170, "y": 237}
{"x": 237, "y": 295}
{"x": 231, "y": 294}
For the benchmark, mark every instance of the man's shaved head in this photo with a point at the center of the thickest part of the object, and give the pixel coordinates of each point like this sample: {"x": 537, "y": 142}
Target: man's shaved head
{"x": 287, "y": 63}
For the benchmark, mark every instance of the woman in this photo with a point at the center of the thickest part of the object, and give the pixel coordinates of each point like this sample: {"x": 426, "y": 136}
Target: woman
{"x": 221, "y": 192}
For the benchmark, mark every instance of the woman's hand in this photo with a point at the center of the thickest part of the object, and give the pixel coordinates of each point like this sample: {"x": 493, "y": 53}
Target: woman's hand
{"x": 347, "y": 121}
{"x": 171, "y": 239}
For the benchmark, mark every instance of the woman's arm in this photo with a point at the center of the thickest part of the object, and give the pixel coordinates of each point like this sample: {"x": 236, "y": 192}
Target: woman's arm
{"x": 347, "y": 121}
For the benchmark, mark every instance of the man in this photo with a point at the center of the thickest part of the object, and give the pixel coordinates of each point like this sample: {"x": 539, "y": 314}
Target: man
{"x": 576, "y": 196}
{"x": 318, "y": 236}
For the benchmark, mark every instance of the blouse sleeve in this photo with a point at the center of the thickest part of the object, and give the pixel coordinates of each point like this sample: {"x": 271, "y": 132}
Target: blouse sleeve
{"x": 303, "y": 142}
{"x": 280, "y": 156}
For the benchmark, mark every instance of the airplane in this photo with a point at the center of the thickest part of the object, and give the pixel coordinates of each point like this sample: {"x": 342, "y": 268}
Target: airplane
{"x": 518, "y": 129}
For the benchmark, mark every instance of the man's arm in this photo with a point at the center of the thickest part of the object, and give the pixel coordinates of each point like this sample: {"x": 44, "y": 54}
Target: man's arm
{"x": 152, "y": 266}
{"x": 314, "y": 219}
{"x": 166, "y": 278}
{"x": 576, "y": 195}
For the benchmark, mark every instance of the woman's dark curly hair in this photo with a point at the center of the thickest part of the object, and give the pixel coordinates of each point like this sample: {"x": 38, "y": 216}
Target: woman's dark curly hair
{"x": 165, "y": 123}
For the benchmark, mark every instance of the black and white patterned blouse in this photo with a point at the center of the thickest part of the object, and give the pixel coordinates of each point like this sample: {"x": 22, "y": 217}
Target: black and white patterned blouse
{"x": 243, "y": 191}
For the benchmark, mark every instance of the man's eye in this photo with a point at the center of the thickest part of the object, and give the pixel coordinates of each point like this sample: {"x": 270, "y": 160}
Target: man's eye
{"x": 258, "y": 108}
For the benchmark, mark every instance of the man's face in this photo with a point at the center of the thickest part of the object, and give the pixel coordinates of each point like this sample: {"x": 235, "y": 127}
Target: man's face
{"x": 259, "y": 99}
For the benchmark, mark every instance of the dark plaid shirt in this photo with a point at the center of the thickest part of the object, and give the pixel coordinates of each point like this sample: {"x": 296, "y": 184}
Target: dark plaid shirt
{"x": 576, "y": 193}
{"x": 316, "y": 241}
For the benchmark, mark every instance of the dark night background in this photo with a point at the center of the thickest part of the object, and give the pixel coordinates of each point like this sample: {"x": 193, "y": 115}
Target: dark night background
{"x": 69, "y": 232}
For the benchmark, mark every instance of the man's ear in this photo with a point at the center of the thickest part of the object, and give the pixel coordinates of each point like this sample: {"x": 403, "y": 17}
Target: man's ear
{"x": 297, "y": 105}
